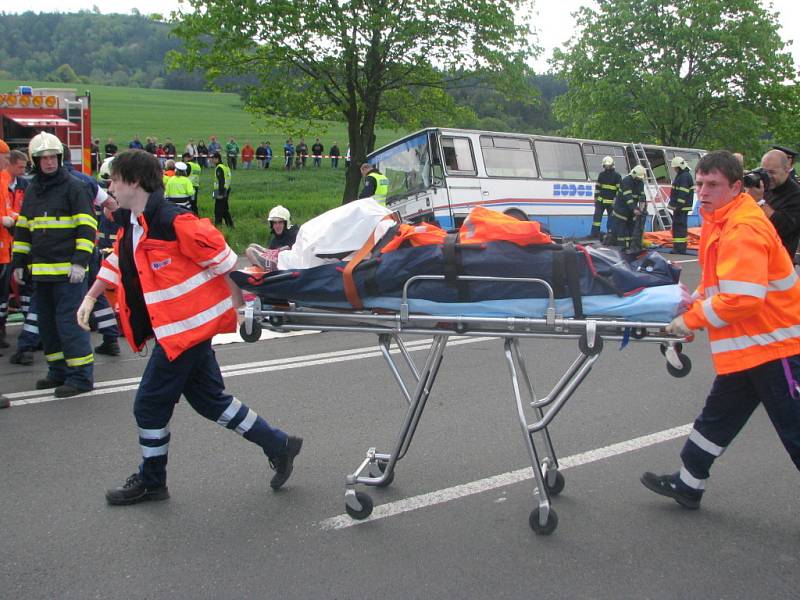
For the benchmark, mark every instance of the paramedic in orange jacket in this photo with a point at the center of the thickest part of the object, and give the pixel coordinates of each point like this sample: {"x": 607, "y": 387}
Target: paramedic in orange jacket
{"x": 170, "y": 271}
{"x": 749, "y": 302}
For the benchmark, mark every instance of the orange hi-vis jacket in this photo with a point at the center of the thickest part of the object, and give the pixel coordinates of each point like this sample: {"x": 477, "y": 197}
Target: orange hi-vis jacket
{"x": 749, "y": 294}
{"x": 181, "y": 272}
{"x": 6, "y": 210}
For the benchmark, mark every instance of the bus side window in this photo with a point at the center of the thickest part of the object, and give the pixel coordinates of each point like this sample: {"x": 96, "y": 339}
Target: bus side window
{"x": 458, "y": 156}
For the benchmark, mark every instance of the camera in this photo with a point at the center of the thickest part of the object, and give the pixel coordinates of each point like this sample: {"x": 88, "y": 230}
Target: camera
{"x": 752, "y": 178}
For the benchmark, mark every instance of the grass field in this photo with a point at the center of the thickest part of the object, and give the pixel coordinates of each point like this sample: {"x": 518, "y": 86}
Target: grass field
{"x": 121, "y": 113}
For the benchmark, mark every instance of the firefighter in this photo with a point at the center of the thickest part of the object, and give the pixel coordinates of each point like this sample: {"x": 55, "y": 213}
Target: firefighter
{"x": 170, "y": 271}
{"x": 605, "y": 190}
{"x": 376, "y": 184}
{"x": 628, "y": 215}
{"x": 194, "y": 177}
{"x": 748, "y": 301}
{"x": 179, "y": 188}
{"x": 54, "y": 240}
{"x": 221, "y": 191}
{"x": 8, "y": 219}
{"x": 680, "y": 201}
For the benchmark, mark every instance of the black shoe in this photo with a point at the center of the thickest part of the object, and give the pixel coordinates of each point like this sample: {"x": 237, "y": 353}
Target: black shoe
{"x": 665, "y": 485}
{"x": 108, "y": 347}
{"x": 21, "y": 357}
{"x": 284, "y": 463}
{"x": 47, "y": 384}
{"x": 4, "y": 402}
{"x": 134, "y": 491}
{"x": 66, "y": 390}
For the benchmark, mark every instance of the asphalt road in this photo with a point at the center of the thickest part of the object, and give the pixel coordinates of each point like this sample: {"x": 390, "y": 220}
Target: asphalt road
{"x": 225, "y": 534}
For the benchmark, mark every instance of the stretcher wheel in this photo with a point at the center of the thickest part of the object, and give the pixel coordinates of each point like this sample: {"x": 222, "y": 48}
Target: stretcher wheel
{"x": 558, "y": 484}
{"x": 638, "y": 333}
{"x": 254, "y": 335}
{"x": 663, "y": 347}
{"x": 685, "y": 368}
{"x": 382, "y": 466}
{"x": 583, "y": 345}
{"x": 547, "y": 528}
{"x": 366, "y": 507}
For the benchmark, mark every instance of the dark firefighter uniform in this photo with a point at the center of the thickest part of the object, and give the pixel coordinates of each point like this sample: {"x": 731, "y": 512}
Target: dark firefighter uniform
{"x": 680, "y": 201}
{"x": 626, "y": 223}
{"x": 605, "y": 190}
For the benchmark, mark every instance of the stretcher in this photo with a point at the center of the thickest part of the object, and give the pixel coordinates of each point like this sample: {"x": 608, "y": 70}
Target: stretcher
{"x": 443, "y": 322}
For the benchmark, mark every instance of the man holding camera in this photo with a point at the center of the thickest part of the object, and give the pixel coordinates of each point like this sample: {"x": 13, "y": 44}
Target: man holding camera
{"x": 778, "y": 195}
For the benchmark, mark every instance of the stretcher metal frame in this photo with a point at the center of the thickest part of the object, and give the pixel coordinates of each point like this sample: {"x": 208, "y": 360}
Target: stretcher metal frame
{"x": 377, "y": 469}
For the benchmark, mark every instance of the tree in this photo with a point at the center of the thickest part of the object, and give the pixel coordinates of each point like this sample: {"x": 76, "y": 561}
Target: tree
{"x": 698, "y": 73}
{"x": 369, "y": 63}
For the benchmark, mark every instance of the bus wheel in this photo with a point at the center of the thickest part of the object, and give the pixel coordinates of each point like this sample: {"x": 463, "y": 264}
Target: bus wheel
{"x": 517, "y": 214}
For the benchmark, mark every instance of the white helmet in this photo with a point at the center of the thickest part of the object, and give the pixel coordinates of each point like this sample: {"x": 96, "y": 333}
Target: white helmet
{"x": 678, "y": 163}
{"x": 608, "y": 161}
{"x": 45, "y": 144}
{"x": 279, "y": 213}
{"x": 638, "y": 172}
{"x": 181, "y": 166}
{"x": 105, "y": 169}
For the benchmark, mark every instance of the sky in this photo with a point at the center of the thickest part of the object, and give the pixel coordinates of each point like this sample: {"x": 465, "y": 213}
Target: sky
{"x": 553, "y": 20}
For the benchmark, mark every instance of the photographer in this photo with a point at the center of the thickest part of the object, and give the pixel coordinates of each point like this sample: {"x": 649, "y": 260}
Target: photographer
{"x": 779, "y": 198}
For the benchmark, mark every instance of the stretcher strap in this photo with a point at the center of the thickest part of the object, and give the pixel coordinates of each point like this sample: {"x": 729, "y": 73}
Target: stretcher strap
{"x": 573, "y": 280}
{"x": 453, "y": 266}
{"x": 350, "y": 288}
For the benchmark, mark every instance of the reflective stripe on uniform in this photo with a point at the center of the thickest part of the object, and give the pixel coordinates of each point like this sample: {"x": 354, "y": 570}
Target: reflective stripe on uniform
{"x": 80, "y": 361}
{"x": 781, "y": 285}
{"x": 179, "y": 289}
{"x": 711, "y": 314}
{"x": 744, "y": 288}
{"x": 701, "y": 442}
{"x": 748, "y": 341}
{"x": 247, "y": 422}
{"x": 84, "y": 244}
{"x": 153, "y": 434}
{"x": 194, "y": 321}
{"x": 108, "y": 275}
{"x": 692, "y": 481}
{"x": 150, "y": 452}
{"x": 21, "y": 247}
{"x": 230, "y": 412}
{"x": 50, "y": 268}
{"x": 54, "y": 356}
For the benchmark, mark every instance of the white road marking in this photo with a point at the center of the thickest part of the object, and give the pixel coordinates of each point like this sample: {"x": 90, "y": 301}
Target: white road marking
{"x": 398, "y": 507}
{"x": 280, "y": 364}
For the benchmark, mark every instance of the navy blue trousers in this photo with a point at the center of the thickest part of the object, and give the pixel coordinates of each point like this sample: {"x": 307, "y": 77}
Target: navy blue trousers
{"x": 5, "y": 279}
{"x": 195, "y": 374}
{"x": 67, "y": 347}
{"x": 28, "y": 340}
{"x": 732, "y": 400}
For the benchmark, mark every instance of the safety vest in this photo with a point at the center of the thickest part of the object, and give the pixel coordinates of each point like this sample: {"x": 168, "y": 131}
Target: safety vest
{"x": 226, "y": 173}
{"x": 749, "y": 295}
{"x": 178, "y": 188}
{"x": 6, "y": 210}
{"x": 182, "y": 281}
{"x": 381, "y": 187}
{"x": 194, "y": 175}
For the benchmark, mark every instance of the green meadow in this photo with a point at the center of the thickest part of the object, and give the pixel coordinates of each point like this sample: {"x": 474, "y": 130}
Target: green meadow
{"x": 121, "y": 113}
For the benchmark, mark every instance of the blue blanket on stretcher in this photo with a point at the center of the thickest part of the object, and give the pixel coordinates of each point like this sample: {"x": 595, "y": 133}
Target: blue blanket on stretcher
{"x": 585, "y": 280}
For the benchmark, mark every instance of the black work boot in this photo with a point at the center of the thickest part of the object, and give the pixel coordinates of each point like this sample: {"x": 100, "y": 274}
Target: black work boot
{"x": 21, "y": 357}
{"x": 66, "y": 390}
{"x": 109, "y": 347}
{"x": 284, "y": 463}
{"x": 667, "y": 485}
{"x": 134, "y": 491}
{"x": 47, "y": 384}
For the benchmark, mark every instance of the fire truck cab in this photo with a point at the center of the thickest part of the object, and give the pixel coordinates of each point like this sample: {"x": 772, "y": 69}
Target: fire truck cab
{"x": 28, "y": 111}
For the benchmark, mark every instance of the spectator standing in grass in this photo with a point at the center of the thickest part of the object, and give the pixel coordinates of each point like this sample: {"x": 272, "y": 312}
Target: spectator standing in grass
{"x": 261, "y": 154}
{"x": 316, "y": 151}
{"x": 232, "y": 152}
{"x": 213, "y": 146}
{"x": 110, "y": 148}
{"x": 288, "y": 154}
{"x": 191, "y": 149}
{"x": 267, "y": 155}
{"x": 247, "y": 155}
{"x": 94, "y": 154}
{"x": 150, "y": 146}
{"x": 202, "y": 153}
{"x": 302, "y": 152}
{"x": 170, "y": 149}
{"x": 135, "y": 144}
{"x": 335, "y": 155}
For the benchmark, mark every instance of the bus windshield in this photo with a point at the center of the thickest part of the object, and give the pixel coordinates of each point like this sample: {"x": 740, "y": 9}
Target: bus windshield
{"x": 406, "y": 165}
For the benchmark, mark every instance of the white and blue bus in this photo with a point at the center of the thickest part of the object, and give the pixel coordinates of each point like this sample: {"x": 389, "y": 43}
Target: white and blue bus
{"x": 440, "y": 174}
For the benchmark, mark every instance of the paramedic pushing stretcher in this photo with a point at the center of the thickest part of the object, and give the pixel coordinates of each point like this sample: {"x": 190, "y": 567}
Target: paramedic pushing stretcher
{"x": 170, "y": 271}
{"x": 749, "y": 301}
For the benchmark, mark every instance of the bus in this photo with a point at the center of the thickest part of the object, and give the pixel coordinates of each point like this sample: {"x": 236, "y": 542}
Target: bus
{"x": 439, "y": 174}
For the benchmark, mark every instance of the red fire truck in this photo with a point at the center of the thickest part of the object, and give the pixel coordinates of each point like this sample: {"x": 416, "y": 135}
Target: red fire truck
{"x": 28, "y": 111}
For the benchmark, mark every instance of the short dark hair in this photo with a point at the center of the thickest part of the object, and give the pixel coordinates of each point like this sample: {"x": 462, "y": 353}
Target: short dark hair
{"x": 138, "y": 166}
{"x": 722, "y": 161}
{"x": 17, "y": 156}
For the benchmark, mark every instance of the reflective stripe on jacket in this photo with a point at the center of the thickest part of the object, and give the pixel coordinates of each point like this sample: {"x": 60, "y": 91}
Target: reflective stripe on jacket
{"x": 749, "y": 294}
{"x": 181, "y": 261}
{"x": 607, "y": 186}
{"x": 682, "y": 194}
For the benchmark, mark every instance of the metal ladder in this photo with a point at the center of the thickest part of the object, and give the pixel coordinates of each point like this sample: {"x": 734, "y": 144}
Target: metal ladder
{"x": 662, "y": 217}
{"x": 75, "y": 135}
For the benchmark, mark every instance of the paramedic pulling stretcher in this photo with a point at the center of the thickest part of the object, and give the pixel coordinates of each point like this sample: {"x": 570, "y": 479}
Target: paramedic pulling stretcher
{"x": 535, "y": 311}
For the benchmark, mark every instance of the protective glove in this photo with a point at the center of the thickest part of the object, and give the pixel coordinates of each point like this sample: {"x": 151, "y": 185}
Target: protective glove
{"x": 678, "y": 327}
{"x": 76, "y": 273}
{"x": 85, "y": 311}
{"x": 19, "y": 275}
{"x": 8, "y": 221}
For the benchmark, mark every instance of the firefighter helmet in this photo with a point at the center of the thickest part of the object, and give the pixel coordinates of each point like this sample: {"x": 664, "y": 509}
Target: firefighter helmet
{"x": 45, "y": 144}
{"x": 608, "y": 161}
{"x": 638, "y": 172}
{"x": 181, "y": 166}
{"x": 105, "y": 169}
{"x": 678, "y": 163}
{"x": 279, "y": 213}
